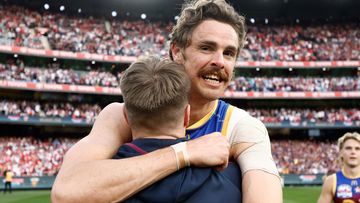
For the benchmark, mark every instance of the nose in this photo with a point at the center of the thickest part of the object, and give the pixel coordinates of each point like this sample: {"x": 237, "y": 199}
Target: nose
{"x": 218, "y": 59}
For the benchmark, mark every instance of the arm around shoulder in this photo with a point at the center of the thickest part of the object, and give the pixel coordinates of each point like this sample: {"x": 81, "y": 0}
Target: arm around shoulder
{"x": 85, "y": 160}
{"x": 88, "y": 173}
{"x": 326, "y": 195}
{"x": 108, "y": 133}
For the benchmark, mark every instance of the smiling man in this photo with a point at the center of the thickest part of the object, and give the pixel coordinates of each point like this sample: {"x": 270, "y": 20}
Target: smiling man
{"x": 206, "y": 40}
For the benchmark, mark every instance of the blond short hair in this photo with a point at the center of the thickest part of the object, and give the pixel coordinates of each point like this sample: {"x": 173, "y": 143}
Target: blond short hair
{"x": 347, "y": 136}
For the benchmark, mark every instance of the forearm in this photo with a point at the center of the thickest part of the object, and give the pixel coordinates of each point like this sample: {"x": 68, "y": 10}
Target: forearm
{"x": 112, "y": 180}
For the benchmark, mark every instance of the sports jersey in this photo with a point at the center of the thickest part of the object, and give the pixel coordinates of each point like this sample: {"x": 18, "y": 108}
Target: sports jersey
{"x": 215, "y": 121}
{"x": 346, "y": 189}
{"x": 238, "y": 126}
{"x": 190, "y": 184}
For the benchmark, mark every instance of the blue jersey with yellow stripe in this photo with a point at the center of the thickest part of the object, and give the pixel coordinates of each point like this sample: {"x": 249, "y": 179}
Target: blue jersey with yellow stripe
{"x": 346, "y": 188}
{"x": 215, "y": 121}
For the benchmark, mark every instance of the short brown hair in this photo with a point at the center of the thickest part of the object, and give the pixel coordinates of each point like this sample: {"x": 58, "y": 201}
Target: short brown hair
{"x": 196, "y": 11}
{"x": 347, "y": 136}
{"x": 155, "y": 92}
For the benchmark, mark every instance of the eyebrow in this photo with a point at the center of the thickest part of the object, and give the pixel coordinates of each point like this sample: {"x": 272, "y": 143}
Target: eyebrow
{"x": 349, "y": 147}
{"x": 212, "y": 43}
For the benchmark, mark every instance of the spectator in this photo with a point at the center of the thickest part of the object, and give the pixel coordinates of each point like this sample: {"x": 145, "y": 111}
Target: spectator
{"x": 24, "y": 27}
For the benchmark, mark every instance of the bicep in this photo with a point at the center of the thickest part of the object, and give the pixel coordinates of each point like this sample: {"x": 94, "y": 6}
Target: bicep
{"x": 260, "y": 182}
{"x": 251, "y": 146}
{"x": 257, "y": 157}
{"x": 326, "y": 192}
{"x": 109, "y": 131}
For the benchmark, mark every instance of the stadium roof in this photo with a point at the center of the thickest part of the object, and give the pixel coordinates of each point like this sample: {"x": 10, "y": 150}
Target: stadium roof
{"x": 167, "y": 9}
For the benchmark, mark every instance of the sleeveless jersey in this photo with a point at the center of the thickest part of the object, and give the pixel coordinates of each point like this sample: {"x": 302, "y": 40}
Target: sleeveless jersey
{"x": 215, "y": 121}
{"x": 238, "y": 126}
{"x": 346, "y": 189}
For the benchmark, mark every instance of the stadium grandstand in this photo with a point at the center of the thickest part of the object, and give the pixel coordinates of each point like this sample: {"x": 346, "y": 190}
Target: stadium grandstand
{"x": 61, "y": 62}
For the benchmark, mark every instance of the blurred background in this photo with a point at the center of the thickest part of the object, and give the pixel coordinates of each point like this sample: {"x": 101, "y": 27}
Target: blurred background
{"x": 61, "y": 62}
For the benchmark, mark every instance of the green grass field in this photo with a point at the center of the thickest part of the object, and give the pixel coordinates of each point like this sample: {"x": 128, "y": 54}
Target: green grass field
{"x": 301, "y": 194}
{"x": 291, "y": 195}
{"x": 38, "y": 196}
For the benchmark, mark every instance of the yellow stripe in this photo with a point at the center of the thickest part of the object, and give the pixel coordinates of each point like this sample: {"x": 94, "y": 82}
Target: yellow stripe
{"x": 205, "y": 118}
{"x": 334, "y": 184}
{"x": 226, "y": 120}
{"x": 349, "y": 176}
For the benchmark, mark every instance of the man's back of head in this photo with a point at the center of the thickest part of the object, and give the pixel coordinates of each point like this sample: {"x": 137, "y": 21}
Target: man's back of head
{"x": 155, "y": 93}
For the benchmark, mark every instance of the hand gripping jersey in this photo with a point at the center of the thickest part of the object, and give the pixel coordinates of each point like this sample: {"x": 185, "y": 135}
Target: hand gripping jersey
{"x": 190, "y": 184}
{"x": 238, "y": 126}
{"x": 346, "y": 189}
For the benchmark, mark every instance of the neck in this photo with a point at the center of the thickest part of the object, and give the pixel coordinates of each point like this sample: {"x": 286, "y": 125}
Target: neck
{"x": 170, "y": 133}
{"x": 199, "y": 109}
{"x": 352, "y": 171}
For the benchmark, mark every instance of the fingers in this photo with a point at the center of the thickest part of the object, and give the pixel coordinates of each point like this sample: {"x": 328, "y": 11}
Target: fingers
{"x": 210, "y": 150}
{"x": 222, "y": 167}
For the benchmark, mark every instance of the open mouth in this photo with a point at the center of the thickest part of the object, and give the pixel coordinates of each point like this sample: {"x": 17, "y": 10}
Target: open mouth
{"x": 213, "y": 78}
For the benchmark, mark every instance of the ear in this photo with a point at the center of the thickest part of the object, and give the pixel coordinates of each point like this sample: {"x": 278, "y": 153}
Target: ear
{"x": 187, "y": 116}
{"x": 176, "y": 53}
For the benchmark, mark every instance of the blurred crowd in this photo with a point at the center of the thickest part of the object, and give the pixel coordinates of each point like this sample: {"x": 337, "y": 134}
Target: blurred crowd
{"x": 87, "y": 112}
{"x": 90, "y": 111}
{"x": 28, "y": 156}
{"x": 305, "y": 156}
{"x": 24, "y": 27}
{"x": 295, "y": 84}
{"x": 293, "y": 115}
{"x": 54, "y": 74}
{"x": 336, "y": 42}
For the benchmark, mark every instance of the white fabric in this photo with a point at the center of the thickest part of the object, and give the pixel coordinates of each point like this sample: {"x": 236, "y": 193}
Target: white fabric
{"x": 244, "y": 128}
{"x": 181, "y": 148}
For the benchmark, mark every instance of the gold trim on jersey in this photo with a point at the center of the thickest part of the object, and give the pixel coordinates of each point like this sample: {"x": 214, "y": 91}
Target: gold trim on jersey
{"x": 226, "y": 120}
{"x": 334, "y": 184}
{"x": 205, "y": 118}
{"x": 349, "y": 176}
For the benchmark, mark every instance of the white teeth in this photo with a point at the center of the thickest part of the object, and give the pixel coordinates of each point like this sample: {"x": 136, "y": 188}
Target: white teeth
{"x": 212, "y": 81}
{"x": 212, "y": 77}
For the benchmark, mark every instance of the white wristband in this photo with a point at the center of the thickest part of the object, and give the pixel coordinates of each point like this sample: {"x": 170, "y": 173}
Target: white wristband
{"x": 181, "y": 154}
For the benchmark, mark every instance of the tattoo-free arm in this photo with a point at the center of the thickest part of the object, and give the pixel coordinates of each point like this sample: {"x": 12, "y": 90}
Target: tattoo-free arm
{"x": 326, "y": 195}
{"x": 258, "y": 185}
{"x": 250, "y": 146}
{"x": 88, "y": 174}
